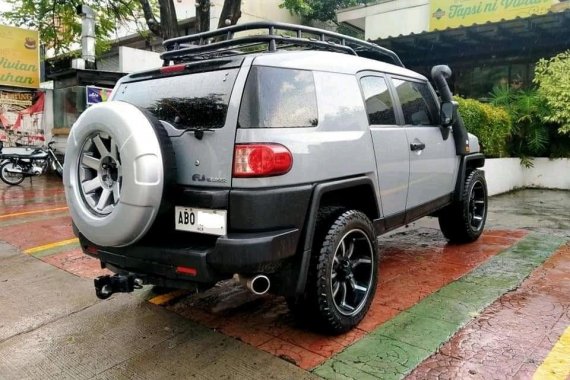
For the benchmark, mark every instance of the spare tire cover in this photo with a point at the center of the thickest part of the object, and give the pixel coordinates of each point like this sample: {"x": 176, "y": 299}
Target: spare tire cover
{"x": 114, "y": 174}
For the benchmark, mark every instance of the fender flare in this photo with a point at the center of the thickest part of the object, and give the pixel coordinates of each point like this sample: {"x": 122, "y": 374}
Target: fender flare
{"x": 306, "y": 243}
{"x": 474, "y": 160}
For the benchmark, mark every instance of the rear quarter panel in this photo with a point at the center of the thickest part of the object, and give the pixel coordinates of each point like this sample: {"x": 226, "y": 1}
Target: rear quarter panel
{"x": 338, "y": 147}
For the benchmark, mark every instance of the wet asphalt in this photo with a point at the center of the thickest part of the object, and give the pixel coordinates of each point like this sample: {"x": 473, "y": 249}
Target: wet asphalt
{"x": 52, "y": 326}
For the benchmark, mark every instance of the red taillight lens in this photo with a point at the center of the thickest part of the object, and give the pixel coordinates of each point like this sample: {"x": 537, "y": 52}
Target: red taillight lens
{"x": 261, "y": 160}
{"x": 187, "y": 270}
{"x": 172, "y": 69}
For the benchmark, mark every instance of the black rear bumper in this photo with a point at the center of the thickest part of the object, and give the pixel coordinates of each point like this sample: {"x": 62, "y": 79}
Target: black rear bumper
{"x": 265, "y": 230}
{"x": 235, "y": 253}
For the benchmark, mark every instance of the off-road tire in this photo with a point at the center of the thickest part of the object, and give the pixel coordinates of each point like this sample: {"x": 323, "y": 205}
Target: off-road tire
{"x": 319, "y": 307}
{"x": 464, "y": 220}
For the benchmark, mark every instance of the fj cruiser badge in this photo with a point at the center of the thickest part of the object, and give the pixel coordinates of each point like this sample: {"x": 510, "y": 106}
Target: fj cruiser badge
{"x": 203, "y": 178}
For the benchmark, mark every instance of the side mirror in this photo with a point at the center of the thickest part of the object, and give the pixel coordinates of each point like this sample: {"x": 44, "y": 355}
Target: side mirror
{"x": 447, "y": 114}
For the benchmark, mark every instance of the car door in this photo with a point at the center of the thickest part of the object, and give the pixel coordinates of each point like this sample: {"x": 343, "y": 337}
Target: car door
{"x": 433, "y": 160}
{"x": 390, "y": 147}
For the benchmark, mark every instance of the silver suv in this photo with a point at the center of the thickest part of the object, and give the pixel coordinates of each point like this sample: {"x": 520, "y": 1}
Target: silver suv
{"x": 279, "y": 157}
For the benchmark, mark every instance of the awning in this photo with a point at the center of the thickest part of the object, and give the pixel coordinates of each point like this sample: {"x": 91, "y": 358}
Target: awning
{"x": 521, "y": 39}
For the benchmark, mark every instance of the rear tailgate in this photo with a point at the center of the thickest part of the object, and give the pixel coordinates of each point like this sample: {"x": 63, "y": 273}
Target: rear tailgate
{"x": 198, "y": 105}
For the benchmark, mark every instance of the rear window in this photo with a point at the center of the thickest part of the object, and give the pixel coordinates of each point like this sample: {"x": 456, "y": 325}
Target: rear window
{"x": 278, "y": 98}
{"x": 197, "y": 100}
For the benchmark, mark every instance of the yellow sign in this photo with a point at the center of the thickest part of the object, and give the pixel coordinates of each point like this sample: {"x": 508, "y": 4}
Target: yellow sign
{"x": 19, "y": 58}
{"x": 456, "y": 13}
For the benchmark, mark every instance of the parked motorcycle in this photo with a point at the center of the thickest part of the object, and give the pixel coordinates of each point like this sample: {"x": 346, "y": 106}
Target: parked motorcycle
{"x": 18, "y": 163}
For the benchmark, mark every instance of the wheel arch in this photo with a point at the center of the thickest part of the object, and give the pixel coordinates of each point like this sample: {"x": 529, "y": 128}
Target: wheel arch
{"x": 467, "y": 164}
{"x": 353, "y": 193}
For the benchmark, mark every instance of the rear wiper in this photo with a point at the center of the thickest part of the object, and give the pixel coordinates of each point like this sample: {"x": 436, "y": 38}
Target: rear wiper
{"x": 198, "y": 130}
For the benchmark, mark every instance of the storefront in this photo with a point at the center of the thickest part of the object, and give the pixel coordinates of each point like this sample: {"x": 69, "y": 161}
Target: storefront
{"x": 486, "y": 43}
{"x": 74, "y": 90}
{"x": 22, "y": 104}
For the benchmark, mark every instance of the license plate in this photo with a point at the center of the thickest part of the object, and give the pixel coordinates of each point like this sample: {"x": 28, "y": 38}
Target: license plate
{"x": 200, "y": 220}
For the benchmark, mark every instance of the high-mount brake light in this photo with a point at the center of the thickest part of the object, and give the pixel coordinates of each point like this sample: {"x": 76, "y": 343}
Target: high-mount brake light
{"x": 173, "y": 69}
{"x": 261, "y": 160}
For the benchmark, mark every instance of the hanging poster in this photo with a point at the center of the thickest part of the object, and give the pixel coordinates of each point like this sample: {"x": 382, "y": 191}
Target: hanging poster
{"x": 97, "y": 95}
{"x": 19, "y": 57}
{"x": 21, "y": 117}
{"x": 455, "y": 13}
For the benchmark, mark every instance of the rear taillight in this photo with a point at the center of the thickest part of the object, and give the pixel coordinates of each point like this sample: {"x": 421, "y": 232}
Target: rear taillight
{"x": 261, "y": 160}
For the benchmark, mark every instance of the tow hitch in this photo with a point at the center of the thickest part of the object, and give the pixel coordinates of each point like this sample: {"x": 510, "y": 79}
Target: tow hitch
{"x": 106, "y": 286}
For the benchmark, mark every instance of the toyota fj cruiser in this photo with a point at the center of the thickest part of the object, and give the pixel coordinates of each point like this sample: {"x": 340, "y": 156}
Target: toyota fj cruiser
{"x": 279, "y": 157}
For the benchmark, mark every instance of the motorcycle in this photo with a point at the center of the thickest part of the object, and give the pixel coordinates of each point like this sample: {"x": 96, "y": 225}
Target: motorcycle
{"x": 18, "y": 163}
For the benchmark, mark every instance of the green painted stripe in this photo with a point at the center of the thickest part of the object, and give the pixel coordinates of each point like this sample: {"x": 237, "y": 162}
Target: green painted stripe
{"x": 398, "y": 346}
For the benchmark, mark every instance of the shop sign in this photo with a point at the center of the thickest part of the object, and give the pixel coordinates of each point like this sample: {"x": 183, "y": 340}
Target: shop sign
{"x": 22, "y": 117}
{"x": 456, "y": 13}
{"x": 96, "y": 95}
{"x": 19, "y": 57}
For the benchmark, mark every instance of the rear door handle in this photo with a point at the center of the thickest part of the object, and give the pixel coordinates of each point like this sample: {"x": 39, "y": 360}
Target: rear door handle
{"x": 415, "y": 146}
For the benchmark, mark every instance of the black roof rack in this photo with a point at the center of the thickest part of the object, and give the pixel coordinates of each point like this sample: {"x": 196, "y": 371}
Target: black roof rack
{"x": 222, "y": 42}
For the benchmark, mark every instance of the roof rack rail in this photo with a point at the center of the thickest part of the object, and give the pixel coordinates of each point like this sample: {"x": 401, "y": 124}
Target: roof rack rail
{"x": 222, "y": 42}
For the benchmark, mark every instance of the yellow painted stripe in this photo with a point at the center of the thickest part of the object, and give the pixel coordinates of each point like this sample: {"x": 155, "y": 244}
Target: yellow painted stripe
{"x": 167, "y": 297}
{"x": 32, "y": 212}
{"x": 45, "y": 247}
{"x": 556, "y": 366}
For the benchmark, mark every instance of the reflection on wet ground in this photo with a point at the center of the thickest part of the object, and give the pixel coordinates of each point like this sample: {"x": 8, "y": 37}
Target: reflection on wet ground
{"x": 418, "y": 274}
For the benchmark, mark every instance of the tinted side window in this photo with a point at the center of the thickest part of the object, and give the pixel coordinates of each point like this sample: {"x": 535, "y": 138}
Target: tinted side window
{"x": 378, "y": 102}
{"x": 418, "y": 104}
{"x": 278, "y": 98}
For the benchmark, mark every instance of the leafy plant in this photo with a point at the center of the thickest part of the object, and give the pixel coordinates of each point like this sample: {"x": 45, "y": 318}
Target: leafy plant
{"x": 318, "y": 10}
{"x": 58, "y": 23}
{"x": 530, "y": 135}
{"x": 491, "y": 124}
{"x": 553, "y": 80}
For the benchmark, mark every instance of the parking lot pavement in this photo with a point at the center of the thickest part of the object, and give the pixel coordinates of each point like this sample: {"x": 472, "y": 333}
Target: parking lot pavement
{"x": 441, "y": 311}
{"x": 52, "y": 326}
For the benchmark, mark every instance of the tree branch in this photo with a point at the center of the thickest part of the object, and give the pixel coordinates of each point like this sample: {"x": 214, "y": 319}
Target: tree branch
{"x": 202, "y": 16}
{"x": 168, "y": 19}
{"x": 231, "y": 12}
{"x": 151, "y": 22}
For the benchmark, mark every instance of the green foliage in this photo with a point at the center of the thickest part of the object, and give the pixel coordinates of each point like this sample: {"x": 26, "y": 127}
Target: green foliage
{"x": 530, "y": 136}
{"x": 491, "y": 124}
{"x": 320, "y": 10}
{"x": 59, "y": 25}
{"x": 553, "y": 79}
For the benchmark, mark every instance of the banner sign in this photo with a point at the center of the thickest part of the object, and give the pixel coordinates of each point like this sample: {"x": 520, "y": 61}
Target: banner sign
{"x": 456, "y": 13}
{"x": 19, "y": 57}
{"x": 22, "y": 117}
{"x": 97, "y": 95}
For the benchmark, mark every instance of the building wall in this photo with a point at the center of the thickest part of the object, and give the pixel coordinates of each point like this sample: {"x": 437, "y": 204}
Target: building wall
{"x": 507, "y": 174}
{"x": 131, "y": 60}
{"x": 398, "y": 17}
{"x": 252, "y": 10}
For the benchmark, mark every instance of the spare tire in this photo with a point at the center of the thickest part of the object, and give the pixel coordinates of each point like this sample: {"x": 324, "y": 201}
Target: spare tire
{"x": 119, "y": 162}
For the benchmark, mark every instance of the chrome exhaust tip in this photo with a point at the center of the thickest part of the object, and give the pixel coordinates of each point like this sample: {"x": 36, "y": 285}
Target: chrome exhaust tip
{"x": 258, "y": 284}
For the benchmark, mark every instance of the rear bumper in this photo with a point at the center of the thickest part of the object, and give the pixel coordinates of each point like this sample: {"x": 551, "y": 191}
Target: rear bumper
{"x": 264, "y": 231}
{"x": 235, "y": 253}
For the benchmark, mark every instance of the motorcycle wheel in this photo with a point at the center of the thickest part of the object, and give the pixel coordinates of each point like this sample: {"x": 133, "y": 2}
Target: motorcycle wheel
{"x": 10, "y": 178}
